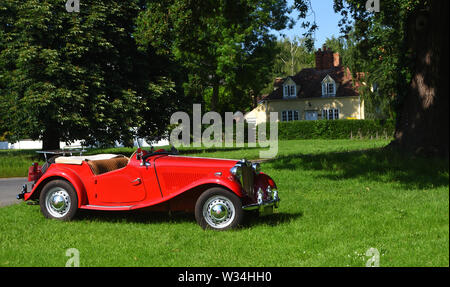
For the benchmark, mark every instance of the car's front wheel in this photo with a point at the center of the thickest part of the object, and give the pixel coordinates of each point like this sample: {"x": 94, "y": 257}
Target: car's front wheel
{"x": 218, "y": 209}
{"x": 58, "y": 200}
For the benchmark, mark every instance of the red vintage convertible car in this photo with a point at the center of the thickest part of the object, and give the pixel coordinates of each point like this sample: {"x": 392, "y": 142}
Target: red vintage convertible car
{"x": 217, "y": 190}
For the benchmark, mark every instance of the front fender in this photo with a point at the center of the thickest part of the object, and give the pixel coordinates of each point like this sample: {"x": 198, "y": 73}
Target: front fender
{"x": 230, "y": 184}
{"x": 58, "y": 172}
{"x": 263, "y": 180}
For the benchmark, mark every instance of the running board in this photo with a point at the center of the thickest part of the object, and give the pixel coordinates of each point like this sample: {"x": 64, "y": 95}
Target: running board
{"x": 106, "y": 207}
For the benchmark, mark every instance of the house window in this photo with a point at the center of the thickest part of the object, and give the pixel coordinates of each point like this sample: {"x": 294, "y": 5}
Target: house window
{"x": 328, "y": 90}
{"x": 328, "y": 87}
{"x": 290, "y": 91}
{"x": 330, "y": 114}
{"x": 289, "y": 116}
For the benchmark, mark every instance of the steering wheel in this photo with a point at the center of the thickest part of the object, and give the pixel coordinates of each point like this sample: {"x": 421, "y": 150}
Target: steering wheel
{"x": 173, "y": 151}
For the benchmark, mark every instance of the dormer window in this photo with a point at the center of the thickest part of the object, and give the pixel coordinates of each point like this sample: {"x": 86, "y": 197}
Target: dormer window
{"x": 328, "y": 87}
{"x": 289, "y": 89}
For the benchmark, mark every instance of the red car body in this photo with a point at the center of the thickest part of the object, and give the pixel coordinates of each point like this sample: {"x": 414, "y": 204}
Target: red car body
{"x": 159, "y": 182}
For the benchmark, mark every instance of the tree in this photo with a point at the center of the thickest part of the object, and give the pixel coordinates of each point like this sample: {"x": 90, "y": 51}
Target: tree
{"x": 404, "y": 47}
{"x": 217, "y": 42}
{"x": 293, "y": 57}
{"x": 377, "y": 84}
{"x": 411, "y": 39}
{"x": 68, "y": 76}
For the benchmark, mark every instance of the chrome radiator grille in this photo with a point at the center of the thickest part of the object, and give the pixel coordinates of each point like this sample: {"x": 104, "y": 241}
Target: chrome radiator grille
{"x": 247, "y": 179}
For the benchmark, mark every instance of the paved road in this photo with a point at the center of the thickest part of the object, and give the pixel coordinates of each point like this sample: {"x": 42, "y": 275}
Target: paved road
{"x": 9, "y": 188}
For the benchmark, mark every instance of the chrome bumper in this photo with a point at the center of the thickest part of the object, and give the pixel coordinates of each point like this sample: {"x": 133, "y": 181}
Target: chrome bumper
{"x": 21, "y": 195}
{"x": 264, "y": 206}
{"x": 274, "y": 202}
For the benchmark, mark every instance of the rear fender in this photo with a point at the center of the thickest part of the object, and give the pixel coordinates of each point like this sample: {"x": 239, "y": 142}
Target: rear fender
{"x": 59, "y": 173}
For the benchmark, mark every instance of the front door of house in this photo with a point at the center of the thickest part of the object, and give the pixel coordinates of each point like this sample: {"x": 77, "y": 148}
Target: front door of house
{"x": 311, "y": 116}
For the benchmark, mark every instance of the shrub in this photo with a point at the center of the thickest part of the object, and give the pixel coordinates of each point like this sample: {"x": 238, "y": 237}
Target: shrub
{"x": 340, "y": 129}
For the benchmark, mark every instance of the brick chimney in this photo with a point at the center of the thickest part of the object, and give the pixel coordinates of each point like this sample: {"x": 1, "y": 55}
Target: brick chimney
{"x": 278, "y": 82}
{"x": 326, "y": 59}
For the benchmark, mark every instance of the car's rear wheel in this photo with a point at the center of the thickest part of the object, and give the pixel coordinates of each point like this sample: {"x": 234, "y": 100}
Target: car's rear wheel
{"x": 218, "y": 209}
{"x": 58, "y": 200}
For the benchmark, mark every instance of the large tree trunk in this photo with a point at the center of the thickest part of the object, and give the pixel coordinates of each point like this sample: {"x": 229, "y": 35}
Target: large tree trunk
{"x": 215, "y": 95}
{"x": 50, "y": 139}
{"x": 423, "y": 121}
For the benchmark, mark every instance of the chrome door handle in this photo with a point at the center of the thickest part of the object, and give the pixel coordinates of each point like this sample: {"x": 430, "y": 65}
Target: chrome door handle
{"x": 137, "y": 180}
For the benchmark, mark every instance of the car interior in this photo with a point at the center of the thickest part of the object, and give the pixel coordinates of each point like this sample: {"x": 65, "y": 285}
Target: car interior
{"x": 107, "y": 165}
{"x": 99, "y": 164}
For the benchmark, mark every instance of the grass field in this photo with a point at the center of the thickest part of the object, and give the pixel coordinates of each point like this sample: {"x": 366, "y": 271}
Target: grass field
{"x": 339, "y": 199}
{"x": 15, "y": 163}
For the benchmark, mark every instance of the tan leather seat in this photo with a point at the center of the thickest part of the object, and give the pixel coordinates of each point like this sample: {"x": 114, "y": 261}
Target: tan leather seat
{"x": 107, "y": 165}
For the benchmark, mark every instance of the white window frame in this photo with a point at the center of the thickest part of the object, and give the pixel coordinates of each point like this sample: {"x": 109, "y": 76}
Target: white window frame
{"x": 331, "y": 91}
{"x": 330, "y": 114}
{"x": 326, "y": 85}
{"x": 290, "y": 116}
{"x": 289, "y": 91}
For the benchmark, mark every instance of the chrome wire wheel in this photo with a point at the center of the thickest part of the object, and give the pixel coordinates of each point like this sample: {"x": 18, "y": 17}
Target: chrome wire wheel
{"x": 219, "y": 212}
{"x": 219, "y": 209}
{"x": 57, "y": 202}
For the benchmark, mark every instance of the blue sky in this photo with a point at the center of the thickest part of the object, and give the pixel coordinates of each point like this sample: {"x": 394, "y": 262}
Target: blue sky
{"x": 326, "y": 19}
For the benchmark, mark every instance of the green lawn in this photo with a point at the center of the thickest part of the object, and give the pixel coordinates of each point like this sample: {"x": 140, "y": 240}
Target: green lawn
{"x": 339, "y": 199}
{"x": 15, "y": 163}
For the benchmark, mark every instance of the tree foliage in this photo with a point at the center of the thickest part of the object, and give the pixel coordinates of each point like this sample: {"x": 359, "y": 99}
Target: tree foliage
{"x": 372, "y": 46}
{"x": 379, "y": 82}
{"x": 403, "y": 51}
{"x": 68, "y": 76}
{"x": 226, "y": 47}
{"x": 294, "y": 56}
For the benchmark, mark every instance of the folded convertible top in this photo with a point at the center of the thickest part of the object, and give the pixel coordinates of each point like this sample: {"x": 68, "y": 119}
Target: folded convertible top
{"x": 78, "y": 160}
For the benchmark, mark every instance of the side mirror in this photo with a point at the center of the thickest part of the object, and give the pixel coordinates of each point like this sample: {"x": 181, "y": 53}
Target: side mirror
{"x": 139, "y": 154}
{"x": 174, "y": 150}
{"x": 145, "y": 163}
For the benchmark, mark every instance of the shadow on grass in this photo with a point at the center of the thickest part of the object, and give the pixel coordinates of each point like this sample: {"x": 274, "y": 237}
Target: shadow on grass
{"x": 381, "y": 165}
{"x": 137, "y": 216}
{"x": 253, "y": 219}
{"x": 146, "y": 217}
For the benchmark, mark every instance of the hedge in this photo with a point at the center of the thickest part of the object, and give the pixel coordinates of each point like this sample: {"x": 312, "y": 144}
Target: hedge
{"x": 323, "y": 129}
{"x": 339, "y": 129}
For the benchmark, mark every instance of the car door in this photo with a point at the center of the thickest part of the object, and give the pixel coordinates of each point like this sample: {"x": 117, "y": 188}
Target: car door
{"x": 121, "y": 186}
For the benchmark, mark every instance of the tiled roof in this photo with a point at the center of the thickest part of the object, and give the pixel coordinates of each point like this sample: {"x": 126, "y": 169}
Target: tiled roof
{"x": 310, "y": 82}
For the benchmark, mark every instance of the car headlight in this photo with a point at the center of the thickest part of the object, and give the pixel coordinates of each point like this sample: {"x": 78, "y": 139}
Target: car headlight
{"x": 236, "y": 171}
{"x": 256, "y": 168}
